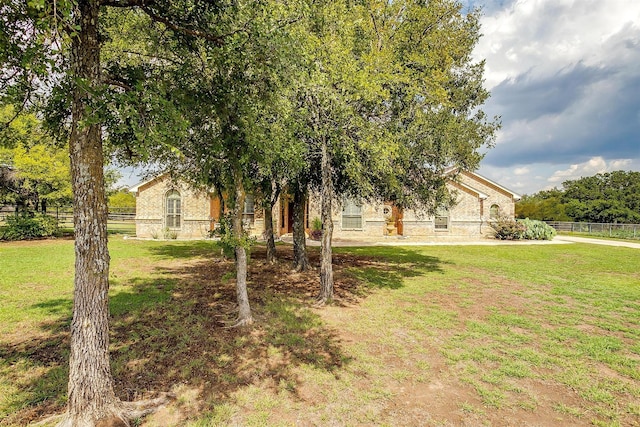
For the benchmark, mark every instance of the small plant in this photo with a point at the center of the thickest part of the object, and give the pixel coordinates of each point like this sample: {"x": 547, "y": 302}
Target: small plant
{"x": 508, "y": 229}
{"x": 316, "y": 229}
{"x": 170, "y": 234}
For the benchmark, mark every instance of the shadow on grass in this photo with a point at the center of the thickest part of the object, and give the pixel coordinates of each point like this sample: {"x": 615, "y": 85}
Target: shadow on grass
{"x": 170, "y": 329}
{"x": 38, "y": 369}
{"x": 184, "y": 250}
{"x": 386, "y": 267}
{"x": 56, "y": 306}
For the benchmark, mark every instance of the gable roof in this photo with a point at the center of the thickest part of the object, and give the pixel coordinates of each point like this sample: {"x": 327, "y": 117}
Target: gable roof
{"x": 138, "y": 186}
{"x": 476, "y": 176}
{"x": 472, "y": 190}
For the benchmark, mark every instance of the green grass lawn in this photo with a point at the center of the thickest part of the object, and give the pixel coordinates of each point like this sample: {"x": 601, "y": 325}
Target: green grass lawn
{"x": 438, "y": 335}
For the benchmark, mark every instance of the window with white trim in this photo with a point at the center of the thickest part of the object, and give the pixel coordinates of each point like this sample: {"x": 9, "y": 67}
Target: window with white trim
{"x": 248, "y": 212}
{"x": 441, "y": 219}
{"x": 173, "y": 209}
{"x": 351, "y": 215}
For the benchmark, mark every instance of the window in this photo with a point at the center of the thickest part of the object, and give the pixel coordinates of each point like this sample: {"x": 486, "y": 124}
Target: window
{"x": 248, "y": 213}
{"x": 494, "y": 212}
{"x": 351, "y": 215}
{"x": 173, "y": 210}
{"x": 441, "y": 219}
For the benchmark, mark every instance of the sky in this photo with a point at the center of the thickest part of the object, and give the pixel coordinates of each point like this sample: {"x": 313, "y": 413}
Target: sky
{"x": 564, "y": 77}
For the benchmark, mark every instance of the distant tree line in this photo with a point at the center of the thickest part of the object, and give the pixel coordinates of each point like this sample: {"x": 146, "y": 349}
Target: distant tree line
{"x": 612, "y": 197}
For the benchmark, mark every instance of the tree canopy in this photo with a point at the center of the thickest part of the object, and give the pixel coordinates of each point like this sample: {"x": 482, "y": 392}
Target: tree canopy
{"x": 611, "y": 197}
{"x": 373, "y": 99}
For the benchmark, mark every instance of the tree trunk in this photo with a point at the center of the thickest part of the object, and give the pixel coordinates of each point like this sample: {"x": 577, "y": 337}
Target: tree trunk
{"x": 244, "y": 309}
{"x": 91, "y": 394}
{"x": 300, "y": 257}
{"x": 326, "y": 267}
{"x": 221, "y": 198}
{"x": 268, "y": 232}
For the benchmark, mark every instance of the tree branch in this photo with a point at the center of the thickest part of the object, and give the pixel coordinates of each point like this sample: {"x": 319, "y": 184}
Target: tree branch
{"x": 218, "y": 40}
{"x": 125, "y": 3}
{"x": 114, "y": 82}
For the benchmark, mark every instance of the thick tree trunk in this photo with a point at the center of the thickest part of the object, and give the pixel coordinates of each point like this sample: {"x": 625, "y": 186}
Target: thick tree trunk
{"x": 326, "y": 267}
{"x": 90, "y": 388}
{"x": 91, "y": 398}
{"x": 268, "y": 232}
{"x": 300, "y": 257}
{"x": 244, "y": 309}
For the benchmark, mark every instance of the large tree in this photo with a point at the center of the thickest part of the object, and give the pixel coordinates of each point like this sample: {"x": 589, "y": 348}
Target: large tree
{"x": 544, "y": 205}
{"x": 51, "y": 52}
{"x": 40, "y": 169}
{"x": 229, "y": 99}
{"x": 42, "y": 177}
{"x": 390, "y": 106}
{"x": 604, "y": 197}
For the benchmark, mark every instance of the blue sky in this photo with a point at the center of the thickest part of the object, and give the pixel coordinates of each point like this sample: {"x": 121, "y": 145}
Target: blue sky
{"x": 565, "y": 79}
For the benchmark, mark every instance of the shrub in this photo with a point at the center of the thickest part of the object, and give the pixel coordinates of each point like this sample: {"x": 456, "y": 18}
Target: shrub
{"x": 27, "y": 226}
{"x": 537, "y": 230}
{"x": 508, "y": 229}
{"x": 316, "y": 229}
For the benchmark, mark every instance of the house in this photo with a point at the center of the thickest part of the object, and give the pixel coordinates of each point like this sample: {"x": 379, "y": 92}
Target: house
{"x": 165, "y": 208}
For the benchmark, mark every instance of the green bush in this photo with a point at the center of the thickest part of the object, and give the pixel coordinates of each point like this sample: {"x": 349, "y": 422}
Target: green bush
{"x": 27, "y": 226}
{"x": 228, "y": 241}
{"x": 530, "y": 229}
{"x": 316, "y": 229}
{"x": 508, "y": 229}
{"x": 537, "y": 230}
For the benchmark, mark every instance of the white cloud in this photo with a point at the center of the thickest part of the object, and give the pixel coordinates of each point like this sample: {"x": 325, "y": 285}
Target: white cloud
{"x": 564, "y": 77}
{"x": 543, "y": 36}
{"x": 593, "y": 166}
{"x": 620, "y": 164}
{"x": 521, "y": 171}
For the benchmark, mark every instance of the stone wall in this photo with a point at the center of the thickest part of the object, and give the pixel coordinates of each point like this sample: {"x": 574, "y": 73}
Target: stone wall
{"x": 195, "y": 221}
{"x": 497, "y": 195}
{"x": 469, "y": 218}
{"x": 150, "y": 211}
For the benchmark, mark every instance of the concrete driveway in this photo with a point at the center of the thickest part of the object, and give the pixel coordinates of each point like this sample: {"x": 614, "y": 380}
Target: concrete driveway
{"x": 408, "y": 241}
{"x": 619, "y": 243}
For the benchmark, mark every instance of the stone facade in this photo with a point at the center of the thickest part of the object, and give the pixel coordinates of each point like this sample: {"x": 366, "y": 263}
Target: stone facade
{"x": 478, "y": 199}
{"x": 151, "y": 210}
{"x": 198, "y": 211}
{"x": 468, "y": 219}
